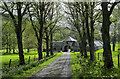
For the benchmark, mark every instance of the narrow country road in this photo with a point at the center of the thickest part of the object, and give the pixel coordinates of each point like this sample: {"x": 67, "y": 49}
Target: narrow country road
{"x": 59, "y": 69}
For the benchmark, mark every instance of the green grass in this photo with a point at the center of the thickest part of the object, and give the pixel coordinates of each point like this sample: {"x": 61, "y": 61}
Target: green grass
{"x": 30, "y": 69}
{"x": 15, "y": 58}
{"x": 82, "y": 67}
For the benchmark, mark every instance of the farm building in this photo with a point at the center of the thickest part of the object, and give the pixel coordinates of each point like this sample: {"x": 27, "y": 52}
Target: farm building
{"x": 72, "y": 44}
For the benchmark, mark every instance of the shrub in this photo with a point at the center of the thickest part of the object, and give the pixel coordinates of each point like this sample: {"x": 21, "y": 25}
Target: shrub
{"x": 27, "y": 67}
{"x": 34, "y": 64}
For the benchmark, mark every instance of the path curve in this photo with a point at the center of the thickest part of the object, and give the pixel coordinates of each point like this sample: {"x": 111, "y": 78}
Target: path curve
{"x": 60, "y": 68}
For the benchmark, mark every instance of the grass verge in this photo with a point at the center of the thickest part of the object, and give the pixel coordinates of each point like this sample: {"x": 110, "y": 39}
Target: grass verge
{"x": 83, "y": 68}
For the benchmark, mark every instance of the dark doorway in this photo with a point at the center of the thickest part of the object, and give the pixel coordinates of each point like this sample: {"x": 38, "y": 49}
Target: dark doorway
{"x": 66, "y": 48}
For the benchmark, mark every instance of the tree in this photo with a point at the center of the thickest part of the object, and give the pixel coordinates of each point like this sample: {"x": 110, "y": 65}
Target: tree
{"x": 10, "y": 7}
{"x": 108, "y": 62}
{"x": 85, "y": 15}
{"x": 90, "y": 27}
{"x": 8, "y": 34}
{"x": 52, "y": 19}
{"x": 76, "y": 19}
{"x": 39, "y": 11}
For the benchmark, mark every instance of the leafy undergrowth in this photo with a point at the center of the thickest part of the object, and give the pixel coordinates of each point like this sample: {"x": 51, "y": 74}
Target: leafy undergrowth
{"x": 84, "y": 68}
{"x": 28, "y": 70}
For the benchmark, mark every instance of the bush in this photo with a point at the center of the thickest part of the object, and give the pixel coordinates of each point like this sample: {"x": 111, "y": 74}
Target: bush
{"x": 27, "y": 67}
{"x": 4, "y": 70}
{"x": 34, "y": 64}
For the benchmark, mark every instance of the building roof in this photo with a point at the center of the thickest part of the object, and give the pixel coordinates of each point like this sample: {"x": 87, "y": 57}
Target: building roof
{"x": 98, "y": 43}
{"x": 70, "y": 39}
{"x": 76, "y": 44}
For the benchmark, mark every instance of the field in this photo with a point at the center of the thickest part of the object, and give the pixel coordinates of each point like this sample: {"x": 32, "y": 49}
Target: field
{"x": 15, "y": 58}
{"x": 82, "y": 67}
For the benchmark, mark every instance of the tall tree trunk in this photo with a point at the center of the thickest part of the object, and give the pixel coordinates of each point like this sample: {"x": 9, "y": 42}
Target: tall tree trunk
{"x": 47, "y": 45}
{"x": 114, "y": 37}
{"x": 114, "y": 41}
{"x": 7, "y": 45}
{"x": 39, "y": 34}
{"x": 84, "y": 43}
{"x": 81, "y": 48}
{"x": 40, "y": 47}
{"x": 13, "y": 50}
{"x": 9, "y": 50}
{"x": 108, "y": 62}
{"x": 80, "y": 42}
{"x": 39, "y": 52}
{"x": 40, "y": 42}
{"x": 41, "y": 22}
{"x": 6, "y": 50}
{"x": 28, "y": 50}
{"x": 92, "y": 57}
{"x": 20, "y": 47}
{"x": 87, "y": 26}
{"x": 113, "y": 46}
{"x": 51, "y": 44}
{"x": 18, "y": 29}
{"x": 90, "y": 39}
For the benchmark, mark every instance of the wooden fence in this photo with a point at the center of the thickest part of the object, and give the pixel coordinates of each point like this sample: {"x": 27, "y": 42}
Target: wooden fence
{"x": 27, "y": 61}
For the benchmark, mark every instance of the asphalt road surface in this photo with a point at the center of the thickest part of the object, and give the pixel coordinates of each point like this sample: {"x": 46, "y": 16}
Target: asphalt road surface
{"x": 59, "y": 69}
